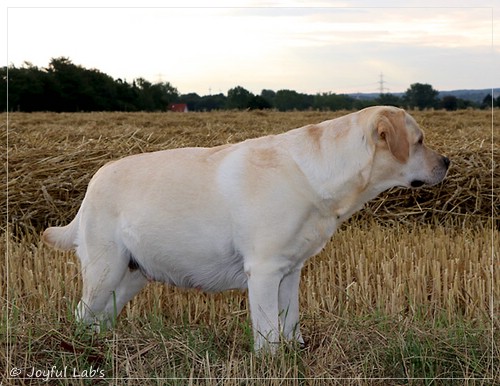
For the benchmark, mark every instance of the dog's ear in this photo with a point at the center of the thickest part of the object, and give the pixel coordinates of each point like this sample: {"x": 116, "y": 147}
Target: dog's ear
{"x": 391, "y": 129}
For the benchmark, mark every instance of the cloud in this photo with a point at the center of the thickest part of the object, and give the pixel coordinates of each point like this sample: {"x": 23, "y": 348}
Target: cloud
{"x": 441, "y": 27}
{"x": 308, "y": 49}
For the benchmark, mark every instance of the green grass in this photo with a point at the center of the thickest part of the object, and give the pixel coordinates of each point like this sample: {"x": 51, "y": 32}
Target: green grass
{"x": 171, "y": 336}
{"x": 394, "y": 351}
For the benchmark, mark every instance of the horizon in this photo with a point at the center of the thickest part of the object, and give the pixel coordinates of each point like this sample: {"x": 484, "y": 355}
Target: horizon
{"x": 493, "y": 89}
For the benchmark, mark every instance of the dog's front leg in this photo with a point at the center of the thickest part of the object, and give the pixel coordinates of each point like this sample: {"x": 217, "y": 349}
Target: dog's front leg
{"x": 263, "y": 285}
{"x": 288, "y": 300}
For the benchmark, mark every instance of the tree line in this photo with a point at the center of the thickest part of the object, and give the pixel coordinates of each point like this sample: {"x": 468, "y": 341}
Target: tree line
{"x": 66, "y": 87}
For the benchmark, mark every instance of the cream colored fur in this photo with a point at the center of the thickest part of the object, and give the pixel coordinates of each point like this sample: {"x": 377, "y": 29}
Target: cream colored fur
{"x": 241, "y": 216}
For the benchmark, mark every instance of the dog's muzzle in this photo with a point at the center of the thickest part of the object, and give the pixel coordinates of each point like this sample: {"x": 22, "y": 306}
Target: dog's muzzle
{"x": 418, "y": 183}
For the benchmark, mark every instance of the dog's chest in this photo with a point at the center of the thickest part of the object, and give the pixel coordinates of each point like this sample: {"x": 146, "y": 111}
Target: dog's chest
{"x": 315, "y": 233}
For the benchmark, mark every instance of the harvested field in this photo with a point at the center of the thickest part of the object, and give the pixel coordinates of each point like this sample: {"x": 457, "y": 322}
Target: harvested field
{"x": 407, "y": 290}
{"x": 52, "y": 157}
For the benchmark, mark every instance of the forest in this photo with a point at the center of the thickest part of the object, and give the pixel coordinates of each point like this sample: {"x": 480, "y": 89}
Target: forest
{"x": 67, "y": 87}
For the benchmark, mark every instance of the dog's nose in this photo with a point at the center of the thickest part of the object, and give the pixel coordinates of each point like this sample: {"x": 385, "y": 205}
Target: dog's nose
{"x": 446, "y": 162}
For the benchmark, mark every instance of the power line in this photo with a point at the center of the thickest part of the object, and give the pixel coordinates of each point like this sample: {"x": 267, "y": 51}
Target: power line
{"x": 381, "y": 83}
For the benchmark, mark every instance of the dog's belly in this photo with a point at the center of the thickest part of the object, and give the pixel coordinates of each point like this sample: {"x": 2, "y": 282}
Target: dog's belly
{"x": 200, "y": 262}
{"x": 210, "y": 274}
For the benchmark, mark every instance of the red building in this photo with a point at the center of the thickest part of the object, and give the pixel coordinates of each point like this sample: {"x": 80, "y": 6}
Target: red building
{"x": 178, "y": 107}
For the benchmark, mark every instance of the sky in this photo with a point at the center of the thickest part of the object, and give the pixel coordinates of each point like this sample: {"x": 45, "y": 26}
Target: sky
{"x": 307, "y": 46}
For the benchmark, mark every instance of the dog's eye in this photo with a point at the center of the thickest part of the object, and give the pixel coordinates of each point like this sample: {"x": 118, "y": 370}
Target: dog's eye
{"x": 420, "y": 140}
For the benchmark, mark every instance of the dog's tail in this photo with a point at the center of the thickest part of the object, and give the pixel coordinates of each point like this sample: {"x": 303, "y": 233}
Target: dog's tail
{"x": 63, "y": 238}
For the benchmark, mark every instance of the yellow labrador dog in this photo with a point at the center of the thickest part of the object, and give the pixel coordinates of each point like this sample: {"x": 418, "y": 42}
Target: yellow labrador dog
{"x": 246, "y": 215}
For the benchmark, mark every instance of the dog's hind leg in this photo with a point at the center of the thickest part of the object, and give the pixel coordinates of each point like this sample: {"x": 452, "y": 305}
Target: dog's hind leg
{"x": 104, "y": 265}
{"x": 132, "y": 282}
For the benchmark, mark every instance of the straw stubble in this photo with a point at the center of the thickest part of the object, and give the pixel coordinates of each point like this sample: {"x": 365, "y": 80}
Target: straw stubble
{"x": 412, "y": 262}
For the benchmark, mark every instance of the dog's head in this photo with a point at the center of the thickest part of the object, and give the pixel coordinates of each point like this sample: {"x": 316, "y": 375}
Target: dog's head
{"x": 401, "y": 158}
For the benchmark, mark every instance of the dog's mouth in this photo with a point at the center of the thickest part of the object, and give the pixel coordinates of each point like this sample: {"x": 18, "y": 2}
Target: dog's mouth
{"x": 417, "y": 183}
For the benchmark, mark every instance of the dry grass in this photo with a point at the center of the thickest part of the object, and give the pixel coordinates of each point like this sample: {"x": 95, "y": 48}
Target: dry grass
{"x": 52, "y": 157}
{"x": 405, "y": 290}
{"x": 378, "y": 302}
